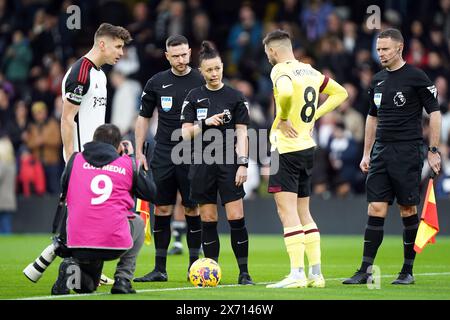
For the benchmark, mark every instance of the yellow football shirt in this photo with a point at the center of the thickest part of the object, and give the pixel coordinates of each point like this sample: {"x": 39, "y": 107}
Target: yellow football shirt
{"x": 307, "y": 84}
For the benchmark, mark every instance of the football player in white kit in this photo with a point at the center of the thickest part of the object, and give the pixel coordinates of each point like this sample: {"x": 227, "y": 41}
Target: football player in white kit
{"x": 84, "y": 92}
{"x": 84, "y": 88}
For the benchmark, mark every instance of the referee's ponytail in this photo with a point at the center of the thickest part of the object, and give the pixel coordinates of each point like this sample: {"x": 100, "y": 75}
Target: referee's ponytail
{"x": 208, "y": 51}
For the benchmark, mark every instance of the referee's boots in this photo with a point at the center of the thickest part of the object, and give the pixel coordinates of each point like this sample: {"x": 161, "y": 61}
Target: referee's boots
{"x": 122, "y": 286}
{"x": 245, "y": 279}
{"x": 153, "y": 276}
{"x": 404, "y": 278}
{"x": 175, "y": 250}
{"x": 359, "y": 277}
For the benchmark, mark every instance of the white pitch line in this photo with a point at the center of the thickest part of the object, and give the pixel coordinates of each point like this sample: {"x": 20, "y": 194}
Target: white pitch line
{"x": 196, "y": 288}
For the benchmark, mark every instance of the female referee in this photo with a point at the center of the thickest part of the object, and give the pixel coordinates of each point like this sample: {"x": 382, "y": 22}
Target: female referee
{"x": 218, "y": 111}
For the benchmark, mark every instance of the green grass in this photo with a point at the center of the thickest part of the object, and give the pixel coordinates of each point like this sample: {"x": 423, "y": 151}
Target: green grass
{"x": 268, "y": 262}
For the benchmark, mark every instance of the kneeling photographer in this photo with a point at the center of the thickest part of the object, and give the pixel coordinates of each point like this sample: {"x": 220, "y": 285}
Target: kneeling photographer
{"x": 100, "y": 184}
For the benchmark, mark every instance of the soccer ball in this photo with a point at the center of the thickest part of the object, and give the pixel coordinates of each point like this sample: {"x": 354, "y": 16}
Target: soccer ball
{"x": 205, "y": 272}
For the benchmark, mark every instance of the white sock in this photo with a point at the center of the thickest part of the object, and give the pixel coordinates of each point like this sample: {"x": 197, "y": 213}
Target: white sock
{"x": 297, "y": 273}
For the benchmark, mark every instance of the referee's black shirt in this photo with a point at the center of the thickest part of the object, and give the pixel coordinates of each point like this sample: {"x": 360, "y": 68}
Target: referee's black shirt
{"x": 167, "y": 91}
{"x": 202, "y": 103}
{"x": 397, "y": 98}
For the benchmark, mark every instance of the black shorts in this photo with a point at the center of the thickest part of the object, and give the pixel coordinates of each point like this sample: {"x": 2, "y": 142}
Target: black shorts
{"x": 207, "y": 180}
{"x": 395, "y": 172}
{"x": 169, "y": 178}
{"x": 293, "y": 172}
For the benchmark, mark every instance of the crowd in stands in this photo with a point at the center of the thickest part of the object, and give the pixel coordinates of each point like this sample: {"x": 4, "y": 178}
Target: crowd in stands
{"x": 37, "y": 47}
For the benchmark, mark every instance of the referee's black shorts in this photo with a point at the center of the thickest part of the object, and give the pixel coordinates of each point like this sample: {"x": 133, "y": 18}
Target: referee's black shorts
{"x": 169, "y": 178}
{"x": 293, "y": 172}
{"x": 208, "y": 179}
{"x": 395, "y": 172}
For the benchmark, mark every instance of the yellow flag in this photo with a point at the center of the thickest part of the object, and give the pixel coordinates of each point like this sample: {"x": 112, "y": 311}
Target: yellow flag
{"x": 143, "y": 207}
{"x": 429, "y": 224}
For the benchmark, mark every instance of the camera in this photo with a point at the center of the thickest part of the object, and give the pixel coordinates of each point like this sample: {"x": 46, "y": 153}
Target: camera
{"x": 35, "y": 269}
{"x": 125, "y": 147}
{"x": 226, "y": 116}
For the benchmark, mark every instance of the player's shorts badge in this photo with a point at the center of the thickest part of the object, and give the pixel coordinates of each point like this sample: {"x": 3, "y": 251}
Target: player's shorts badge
{"x": 377, "y": 99}
{"x": 202, "y": 113}
{"x": 399, "y": 99}
{"x": 166, "y": 103}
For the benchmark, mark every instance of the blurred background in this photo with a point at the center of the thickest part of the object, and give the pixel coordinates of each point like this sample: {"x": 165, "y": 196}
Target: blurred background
{"x": 37, "y": 47}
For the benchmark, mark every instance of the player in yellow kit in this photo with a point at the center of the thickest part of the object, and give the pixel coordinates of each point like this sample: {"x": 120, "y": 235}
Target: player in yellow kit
{"x": 296, "y": 90}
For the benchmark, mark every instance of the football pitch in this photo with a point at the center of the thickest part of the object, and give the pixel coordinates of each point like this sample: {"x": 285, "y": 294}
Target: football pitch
{"x": 268, "y": 262}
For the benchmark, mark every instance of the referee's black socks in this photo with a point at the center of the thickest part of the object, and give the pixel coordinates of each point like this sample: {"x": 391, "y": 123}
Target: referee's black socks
{"x": 410, "y": 226}
{"x": 193, "y": 237}
{"x": 161, "y": 233}
{"x": 210, "y": 240}
{"x": 372, "y": 241}
{"x": 239, "y": 243}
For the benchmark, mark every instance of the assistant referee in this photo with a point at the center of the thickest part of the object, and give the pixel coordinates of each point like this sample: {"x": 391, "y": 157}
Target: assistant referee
{"x": 393, "y": 150}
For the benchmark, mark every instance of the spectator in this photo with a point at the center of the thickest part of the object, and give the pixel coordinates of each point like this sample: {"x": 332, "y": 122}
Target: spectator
{"x": 7, "y": 184}
{"x": 201, "y": 25}
{"x": 143, "y": 33}
{"x": 18, "y": 127}
{"x": 129, "y": 64}
{"x": 6, "y": 85}
{"x": 344, "y": 156}
{"x": 417, "y": 31}
{"x": 445, "y": 129}
{"x": 44, "y": 142}
{"x": 6, "y": 24}
{"x": 334, "y": 57}
{"x": 141, "y": 29}
{"x": 41, "y": 92}
{"x": 55, "y": 77}
{"x": 288, "y": 12}
{"x": 314, "y": 19}
{"x": 438, "y": 43}
{"x": 417, "y": 55}
{"x": 442, "y": 92}
{"x": 351, "y": 118}
{"x": 365, "y": 75}
{"x": 125, "y": 102}
{"x": 244, "y": 36}
{"x": 17, "y": 61}
{"x": 442, "y": 17}
{"x": 42, "y": 37}
{"x": 171, "y": 20}
{"x": 5, "y": 110}
{"x": 350, "y": 34}
{"x": 334, "y": 25}
{"x": 435, "y": 66}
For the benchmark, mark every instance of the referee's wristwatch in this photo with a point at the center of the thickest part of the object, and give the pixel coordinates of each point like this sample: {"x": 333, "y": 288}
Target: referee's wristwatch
{"x": 433, "y": 149}
{"x": 242, "y": 161}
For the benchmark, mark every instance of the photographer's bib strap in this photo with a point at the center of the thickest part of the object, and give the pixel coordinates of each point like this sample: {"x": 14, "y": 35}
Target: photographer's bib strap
{"x": 135, "y": 174}
{"x": 61, "y": 212}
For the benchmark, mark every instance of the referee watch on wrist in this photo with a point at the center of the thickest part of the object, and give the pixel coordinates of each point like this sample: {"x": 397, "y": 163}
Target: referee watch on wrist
{"x": 242, "y": 161}
{"x": 433, "y": 149}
